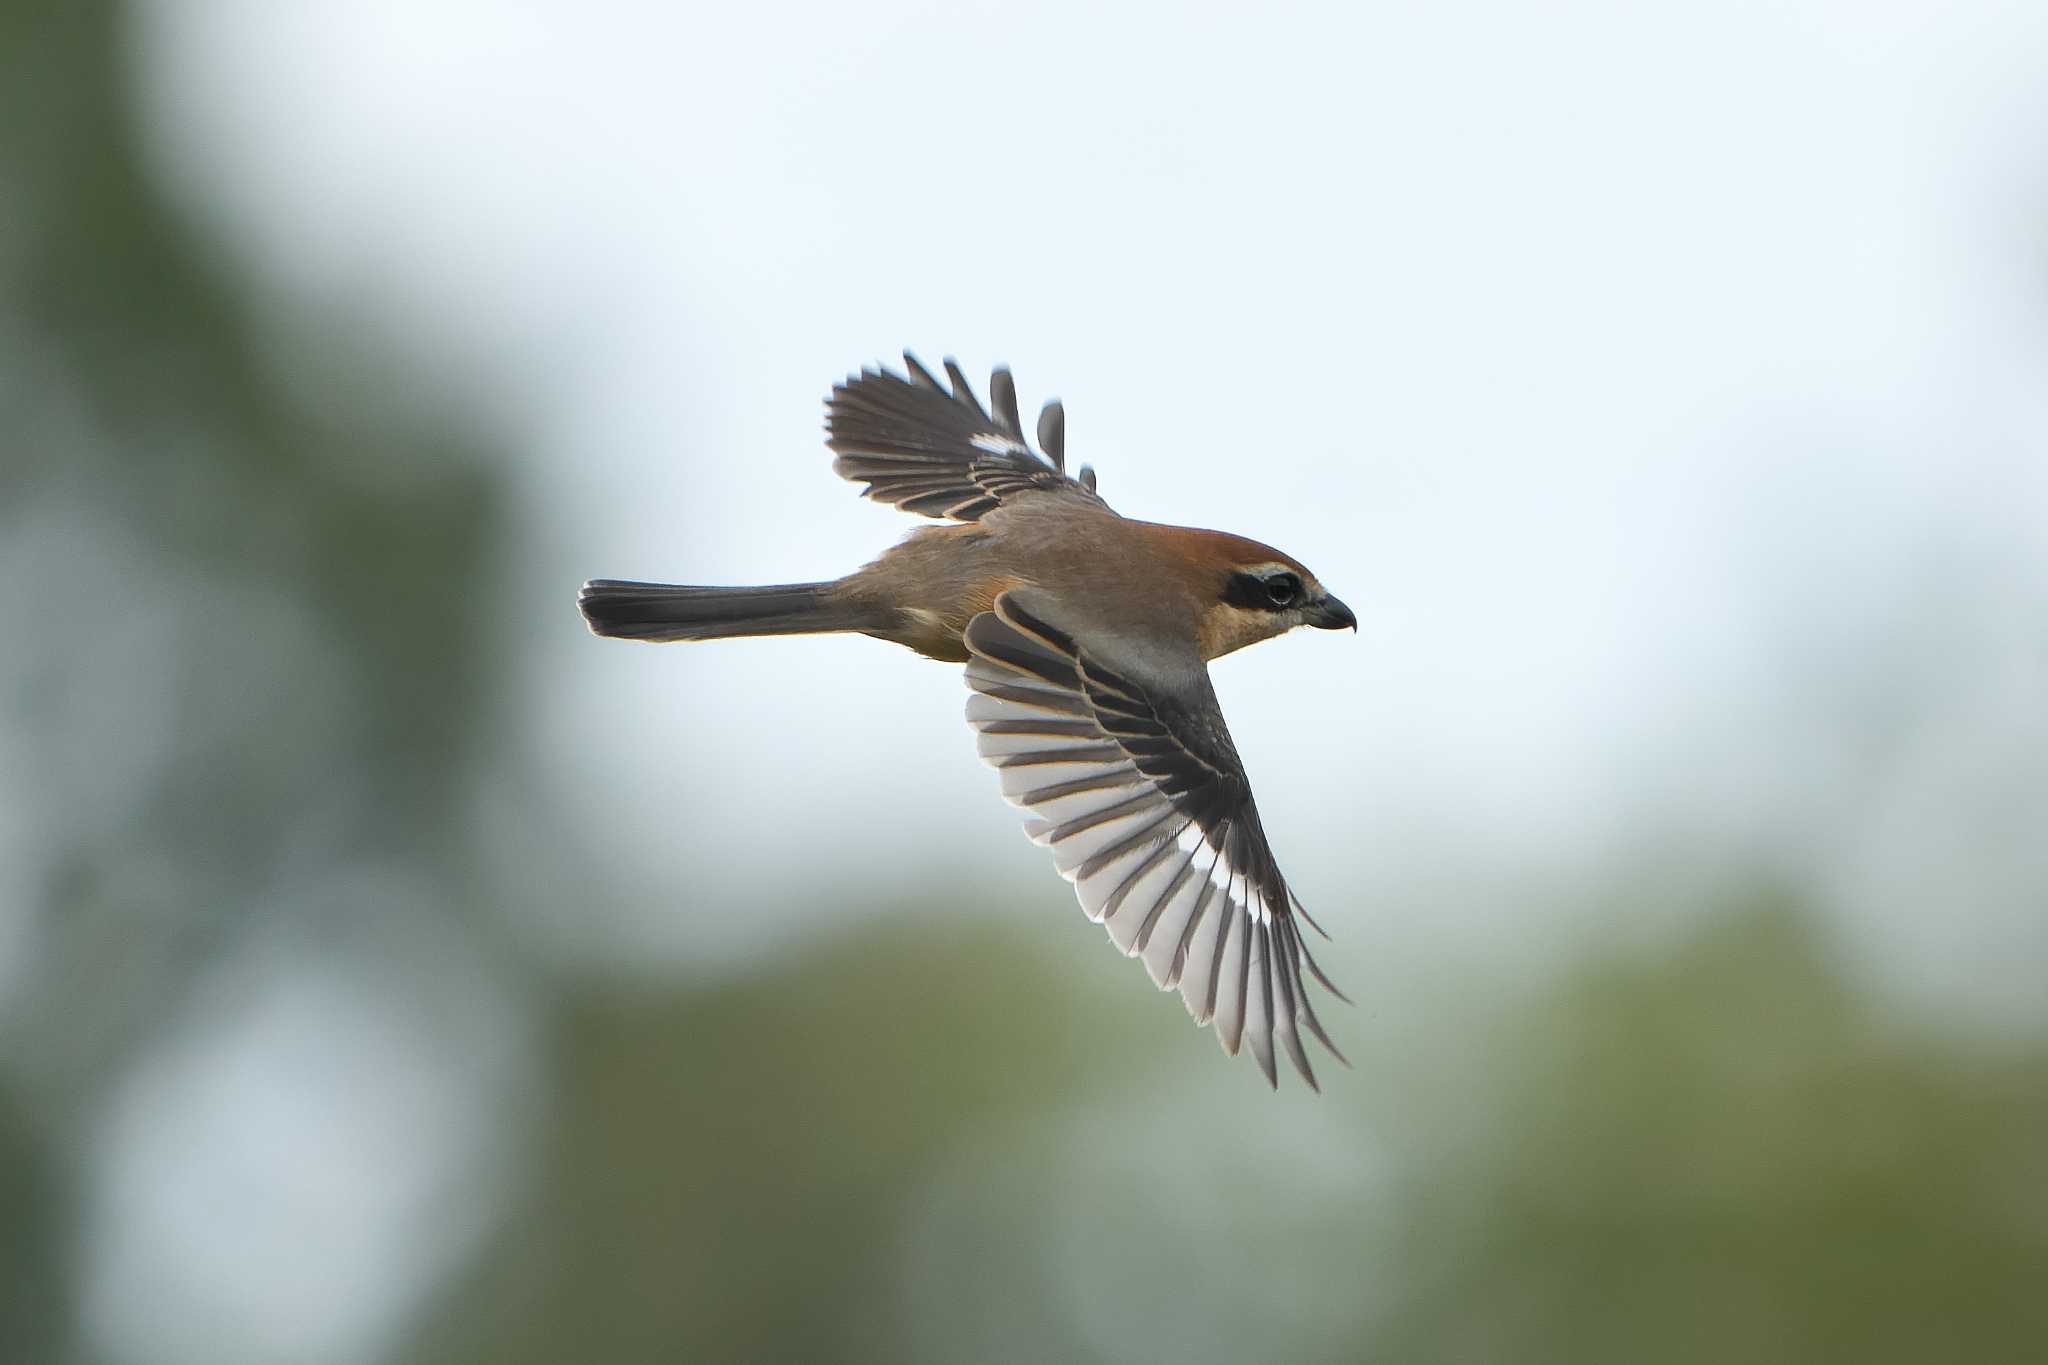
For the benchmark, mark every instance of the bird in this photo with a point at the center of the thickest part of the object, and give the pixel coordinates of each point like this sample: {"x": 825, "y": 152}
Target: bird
{"x": 1086, "y": 637}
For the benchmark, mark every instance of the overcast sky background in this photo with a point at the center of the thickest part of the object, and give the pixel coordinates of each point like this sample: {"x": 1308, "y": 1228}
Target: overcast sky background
{"x": 1598, "y": 355}
{"x": 1661, "y": 385}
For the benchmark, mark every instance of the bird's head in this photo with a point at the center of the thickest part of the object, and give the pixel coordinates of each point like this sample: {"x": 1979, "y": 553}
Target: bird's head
{"x": 1247, "y": 592}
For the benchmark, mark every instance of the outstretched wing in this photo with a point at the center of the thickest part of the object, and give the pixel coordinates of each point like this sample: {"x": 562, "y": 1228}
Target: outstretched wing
{"x": 1141, "y": 796}
{"x": 937, "y": 453}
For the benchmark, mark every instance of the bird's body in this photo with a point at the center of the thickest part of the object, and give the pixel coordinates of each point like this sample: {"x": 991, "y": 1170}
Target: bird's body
{"x": 1086, "y": 636}
{"x": 941, "y": 577}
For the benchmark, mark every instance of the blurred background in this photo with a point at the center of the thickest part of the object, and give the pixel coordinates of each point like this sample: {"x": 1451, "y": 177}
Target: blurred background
{"x": 392, "y": 972}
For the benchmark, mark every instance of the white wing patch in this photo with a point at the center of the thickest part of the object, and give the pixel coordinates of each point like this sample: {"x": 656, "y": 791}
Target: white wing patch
{"x": 996, "y": 444}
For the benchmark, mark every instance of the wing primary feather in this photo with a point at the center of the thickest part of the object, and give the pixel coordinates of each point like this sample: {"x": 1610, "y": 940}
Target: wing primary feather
{"x": 1285, "y": 968}
{"x": 1227, "y": 910}
{"x": 1121, "y": 810}
{"x": 1041, "y": 698}
{"x": 1309, "y": 960}
{"x": 1248, "y": 935}
{"x": 1209, "y": 1005}
{"x": 1130, "y": 843}
{"x": 1091, "y": 753}
{"x": 1221, "y": 912}
{"x": 1259, "y": 1001}
{"x": 1315, "y": 1026}
{"x": 1112, "y": 780}
{"x": 963, "y": 392}
{"x": 919, "y": 375}
{"x": 1192, "y": 928}
{"x": 1039, "y": 725}
{"x": 1143, "y": 939}
{"x": 1307, "y": 918}
{"x": 1052, "y": 433}
{"x": 1234, "y": 973}
{"x": 1307, "y": 1007}
{"x": 1169, "y": 844}
{"x": 1298, "y": 1054}
{"x": 1002, "y": 397}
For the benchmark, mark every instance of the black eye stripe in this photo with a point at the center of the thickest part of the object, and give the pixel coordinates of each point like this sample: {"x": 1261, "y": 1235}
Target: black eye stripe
{"x": 1274, "y": 590}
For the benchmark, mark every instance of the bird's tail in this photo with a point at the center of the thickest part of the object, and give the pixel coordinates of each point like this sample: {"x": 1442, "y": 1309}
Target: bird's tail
{"x": 667, "y": 611}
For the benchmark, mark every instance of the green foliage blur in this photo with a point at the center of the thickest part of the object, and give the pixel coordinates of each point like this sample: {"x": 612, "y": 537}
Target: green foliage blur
{"x": 245, "y": 653}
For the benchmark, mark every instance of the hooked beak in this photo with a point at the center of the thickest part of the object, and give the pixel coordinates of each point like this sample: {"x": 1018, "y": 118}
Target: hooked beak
{"x": 1330, "y": 614}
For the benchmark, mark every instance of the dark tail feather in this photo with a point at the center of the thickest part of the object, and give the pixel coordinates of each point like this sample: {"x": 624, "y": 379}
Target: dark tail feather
{"x": 666, "y": 611}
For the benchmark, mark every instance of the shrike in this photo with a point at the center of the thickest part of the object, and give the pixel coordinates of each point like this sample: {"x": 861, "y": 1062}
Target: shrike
{"x": 1087, "y": 637}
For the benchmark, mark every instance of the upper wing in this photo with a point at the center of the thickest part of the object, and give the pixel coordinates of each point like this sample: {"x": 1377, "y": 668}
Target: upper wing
{"x": 939, "y": 454}
{"x": 1142, "y": 799}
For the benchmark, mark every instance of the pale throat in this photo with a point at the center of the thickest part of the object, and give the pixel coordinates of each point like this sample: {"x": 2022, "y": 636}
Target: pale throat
{"x": 1225, "y": 628}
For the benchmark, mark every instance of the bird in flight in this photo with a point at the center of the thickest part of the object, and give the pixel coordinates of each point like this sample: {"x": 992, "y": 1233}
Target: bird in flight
{"x": 1087, "y": 637}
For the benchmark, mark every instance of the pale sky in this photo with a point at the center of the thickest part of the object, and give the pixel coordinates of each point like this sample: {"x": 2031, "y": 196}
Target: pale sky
{"x": 1549, "y": 342}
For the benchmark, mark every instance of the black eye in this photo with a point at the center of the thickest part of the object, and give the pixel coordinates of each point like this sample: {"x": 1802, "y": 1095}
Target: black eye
{"x": 1282, "y": 589}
